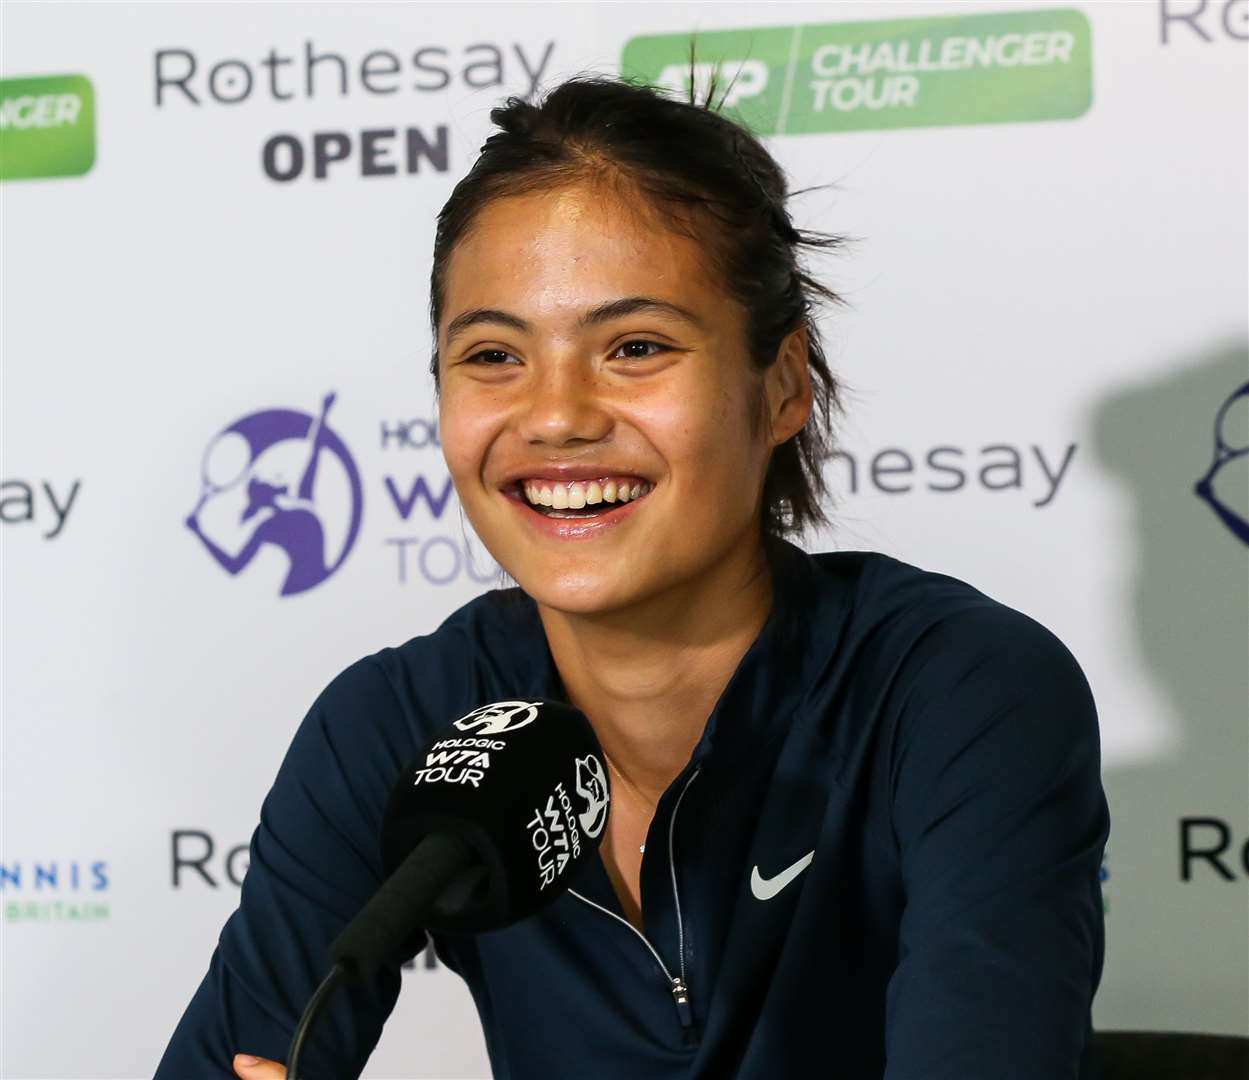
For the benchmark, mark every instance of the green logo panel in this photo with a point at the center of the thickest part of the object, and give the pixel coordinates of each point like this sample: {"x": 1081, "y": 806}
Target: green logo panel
{"x": 47, "y": 127}
{"x": 895, "y": 73}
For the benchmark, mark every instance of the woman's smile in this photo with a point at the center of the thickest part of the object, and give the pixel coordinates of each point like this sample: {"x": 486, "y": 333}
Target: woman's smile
{"x": 576, "y": 509}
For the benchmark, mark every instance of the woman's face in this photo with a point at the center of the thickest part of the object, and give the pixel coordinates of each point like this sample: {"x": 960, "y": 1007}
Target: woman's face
{"x": 560, "y": 385}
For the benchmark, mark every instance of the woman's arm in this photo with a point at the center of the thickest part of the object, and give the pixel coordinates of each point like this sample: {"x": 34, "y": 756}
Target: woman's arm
{"x": 1001, "y": 822}
{"x": 314, "y": 862}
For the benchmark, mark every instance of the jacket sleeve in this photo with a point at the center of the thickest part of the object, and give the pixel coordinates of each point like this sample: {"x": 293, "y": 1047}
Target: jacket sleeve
{"x": 314, "y": 862}
{"x": 1001, "y": 822}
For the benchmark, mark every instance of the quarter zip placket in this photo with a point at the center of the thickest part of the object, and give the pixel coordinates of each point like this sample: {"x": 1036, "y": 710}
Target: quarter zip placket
{"x": 677, "y": 984}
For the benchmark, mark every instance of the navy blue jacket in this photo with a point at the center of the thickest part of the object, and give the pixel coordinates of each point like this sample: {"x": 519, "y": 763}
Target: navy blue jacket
{"x": 881, "y": 860}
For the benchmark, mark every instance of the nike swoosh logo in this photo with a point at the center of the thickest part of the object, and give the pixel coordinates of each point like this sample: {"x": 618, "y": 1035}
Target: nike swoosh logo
{"x": 766, "y": 888}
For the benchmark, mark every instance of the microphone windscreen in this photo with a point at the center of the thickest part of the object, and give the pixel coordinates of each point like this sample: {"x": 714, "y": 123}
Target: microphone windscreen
{"x": 524, "y": 784}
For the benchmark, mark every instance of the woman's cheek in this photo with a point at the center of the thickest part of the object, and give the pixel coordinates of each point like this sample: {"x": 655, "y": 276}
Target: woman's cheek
{"x": 462, "y": 432}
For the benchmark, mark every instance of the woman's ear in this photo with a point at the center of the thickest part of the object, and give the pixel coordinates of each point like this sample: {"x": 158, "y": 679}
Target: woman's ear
{"x": 787, "y": 384}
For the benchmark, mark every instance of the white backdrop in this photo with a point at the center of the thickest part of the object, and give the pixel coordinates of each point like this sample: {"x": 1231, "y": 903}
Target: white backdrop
{"x": 1068, "y": 294}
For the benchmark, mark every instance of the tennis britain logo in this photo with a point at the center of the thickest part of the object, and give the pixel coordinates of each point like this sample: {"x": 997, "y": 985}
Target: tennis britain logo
{"x": 55, "y": 890}
{"x": 283, "y": 479}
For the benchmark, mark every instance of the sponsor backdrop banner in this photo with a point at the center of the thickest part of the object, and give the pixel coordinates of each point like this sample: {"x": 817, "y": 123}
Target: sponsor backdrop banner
{"x": 217, "y": 232}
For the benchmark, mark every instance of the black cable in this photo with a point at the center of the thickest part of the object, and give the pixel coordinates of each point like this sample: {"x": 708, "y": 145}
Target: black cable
{"x": 383, "y": 928}
{"x": 337, "y": 974}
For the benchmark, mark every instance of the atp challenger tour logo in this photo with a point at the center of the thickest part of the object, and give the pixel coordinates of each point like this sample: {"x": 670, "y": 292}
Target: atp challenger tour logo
{"x": 895, "y": 73}
{"x": 283, "y": 479}
{"x": 47, "y": 127}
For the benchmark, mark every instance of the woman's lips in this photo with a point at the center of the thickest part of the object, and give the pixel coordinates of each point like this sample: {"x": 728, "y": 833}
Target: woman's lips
{"x": 573, "y": 528}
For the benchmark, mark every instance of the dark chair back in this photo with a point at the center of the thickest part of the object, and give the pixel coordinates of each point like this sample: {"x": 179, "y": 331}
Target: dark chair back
{"x": 1170, "y": 1055}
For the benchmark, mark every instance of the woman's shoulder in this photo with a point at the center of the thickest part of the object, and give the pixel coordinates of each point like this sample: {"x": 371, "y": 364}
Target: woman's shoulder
{"x": 885, "y": 586}
{"x": 912, "y": 623}
{"x": 493, "y": 641}
{"x": 882, "y": 592}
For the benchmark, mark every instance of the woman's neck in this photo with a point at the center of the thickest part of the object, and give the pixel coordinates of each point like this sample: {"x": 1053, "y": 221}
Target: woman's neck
{"x": 649, "y": 676}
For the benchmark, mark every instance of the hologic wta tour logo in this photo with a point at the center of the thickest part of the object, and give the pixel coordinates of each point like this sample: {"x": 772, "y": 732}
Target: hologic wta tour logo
{"x": 282, "y": 494}
{"x": 47, "y": 127}
{"x": 281, "y": 479}
{"x": 895, "y": 73}
{"x": 499, "y": 717}
{"x": 592, "y": 787}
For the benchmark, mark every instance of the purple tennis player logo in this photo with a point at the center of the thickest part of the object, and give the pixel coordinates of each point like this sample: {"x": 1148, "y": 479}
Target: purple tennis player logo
{"x": 279, "y": 482}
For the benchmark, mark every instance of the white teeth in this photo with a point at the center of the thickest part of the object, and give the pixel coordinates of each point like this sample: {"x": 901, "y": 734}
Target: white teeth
{"x": 579, "y": 494}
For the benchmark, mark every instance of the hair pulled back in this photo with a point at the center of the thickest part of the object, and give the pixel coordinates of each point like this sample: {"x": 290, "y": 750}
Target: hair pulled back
{"x": 712, "y": 180}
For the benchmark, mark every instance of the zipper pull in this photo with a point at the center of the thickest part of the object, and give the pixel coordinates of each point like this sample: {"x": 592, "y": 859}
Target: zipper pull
{"x": 681, "y": 994}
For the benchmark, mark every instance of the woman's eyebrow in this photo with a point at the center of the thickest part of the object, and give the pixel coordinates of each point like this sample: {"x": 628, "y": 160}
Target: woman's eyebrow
{"x": 605, "y": 312}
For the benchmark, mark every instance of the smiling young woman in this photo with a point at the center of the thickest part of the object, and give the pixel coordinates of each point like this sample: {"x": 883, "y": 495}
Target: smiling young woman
{"x": 857, "y": 817}
{"x": 607, "y": 428}
{"x": 599, "y": 416}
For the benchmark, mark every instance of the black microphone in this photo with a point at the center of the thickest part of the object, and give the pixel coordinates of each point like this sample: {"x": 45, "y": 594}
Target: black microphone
{"x": 485, "y": 828}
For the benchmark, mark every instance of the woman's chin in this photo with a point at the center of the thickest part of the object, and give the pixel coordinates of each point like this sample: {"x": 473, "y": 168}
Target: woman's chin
{"x": 579, "y": 594}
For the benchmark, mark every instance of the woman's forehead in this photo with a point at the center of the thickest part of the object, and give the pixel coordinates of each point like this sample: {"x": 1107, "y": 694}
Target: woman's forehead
{"x": 573, "y": 247}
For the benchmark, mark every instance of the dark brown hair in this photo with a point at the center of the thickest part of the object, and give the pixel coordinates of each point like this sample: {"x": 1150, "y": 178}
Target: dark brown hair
{"x": 711, "y": 179}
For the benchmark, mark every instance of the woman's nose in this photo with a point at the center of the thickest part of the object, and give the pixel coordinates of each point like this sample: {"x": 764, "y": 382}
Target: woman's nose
{"x": 565, "y": 405}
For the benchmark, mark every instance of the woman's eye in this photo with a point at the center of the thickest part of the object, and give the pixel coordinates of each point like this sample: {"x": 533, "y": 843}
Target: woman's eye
{"x": 643, "y": 356}
{"x": 501, "y": 357}
{"x": 490, "y": 357}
